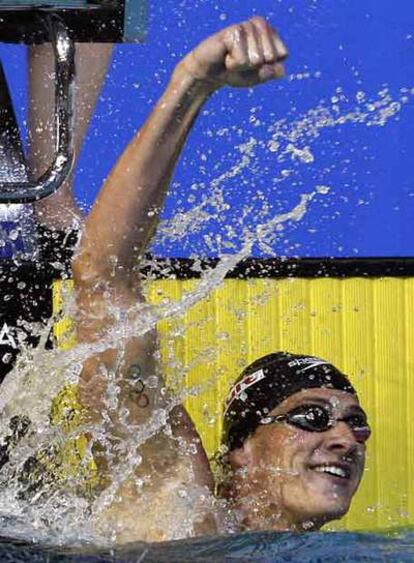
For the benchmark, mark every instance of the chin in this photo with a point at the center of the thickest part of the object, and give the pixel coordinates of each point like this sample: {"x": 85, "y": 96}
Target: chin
{"x": 321, "y": 510}
{"x": 333, "y": 511}
{"x": 330, "y": 504}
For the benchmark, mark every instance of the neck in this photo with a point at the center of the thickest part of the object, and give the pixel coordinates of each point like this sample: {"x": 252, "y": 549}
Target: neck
{"x": 253, "y": 512}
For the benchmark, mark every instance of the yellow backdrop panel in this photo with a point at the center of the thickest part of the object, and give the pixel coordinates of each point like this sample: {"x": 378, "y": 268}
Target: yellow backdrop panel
{"x": 364, "y": 326}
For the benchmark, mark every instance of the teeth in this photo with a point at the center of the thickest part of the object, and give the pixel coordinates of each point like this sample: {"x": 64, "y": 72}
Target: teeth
{"x": 331, "y": 469}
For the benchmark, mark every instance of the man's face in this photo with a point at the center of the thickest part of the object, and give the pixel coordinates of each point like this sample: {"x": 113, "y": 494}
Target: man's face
{"x": 307, "y": 477}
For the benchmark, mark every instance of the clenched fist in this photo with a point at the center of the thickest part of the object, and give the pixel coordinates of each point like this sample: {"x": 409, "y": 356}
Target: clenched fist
{"x": 244, "y": 54}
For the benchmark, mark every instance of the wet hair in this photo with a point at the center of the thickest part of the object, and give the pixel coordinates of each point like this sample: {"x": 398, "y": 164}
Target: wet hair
{"x": 268, "y": 381}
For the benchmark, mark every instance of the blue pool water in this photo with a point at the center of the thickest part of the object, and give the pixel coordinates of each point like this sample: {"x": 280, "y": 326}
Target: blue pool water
{"x": 265, "y": 547}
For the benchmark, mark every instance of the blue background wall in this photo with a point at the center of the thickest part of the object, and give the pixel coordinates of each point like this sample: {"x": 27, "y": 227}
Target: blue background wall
{"x": 352, "y": 60}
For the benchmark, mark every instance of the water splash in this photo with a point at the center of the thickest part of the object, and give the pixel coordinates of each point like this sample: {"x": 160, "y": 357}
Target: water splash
{"x": 288, "y": 143}
{"x": 61, "y": 514}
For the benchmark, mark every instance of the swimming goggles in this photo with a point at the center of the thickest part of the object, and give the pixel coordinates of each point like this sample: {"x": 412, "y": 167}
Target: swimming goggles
{"x": 317, "y": 418}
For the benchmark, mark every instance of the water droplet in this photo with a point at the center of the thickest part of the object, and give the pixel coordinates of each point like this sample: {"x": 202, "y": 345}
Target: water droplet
{"x": 323, "y": 189}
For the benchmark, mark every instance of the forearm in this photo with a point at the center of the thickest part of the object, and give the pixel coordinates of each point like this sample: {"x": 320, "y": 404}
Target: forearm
{"x": 125, "y": 215}
{"x": 127, "y": 210}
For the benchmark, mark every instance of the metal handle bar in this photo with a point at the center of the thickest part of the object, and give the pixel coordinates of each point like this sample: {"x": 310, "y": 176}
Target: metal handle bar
{"x": 52, "y": 179}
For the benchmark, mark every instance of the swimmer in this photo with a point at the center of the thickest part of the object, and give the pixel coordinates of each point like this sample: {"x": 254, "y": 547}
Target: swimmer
{"x": 117, "y": 232}
{"x": 320, "y": 449}
{"x": 294, "y": 438}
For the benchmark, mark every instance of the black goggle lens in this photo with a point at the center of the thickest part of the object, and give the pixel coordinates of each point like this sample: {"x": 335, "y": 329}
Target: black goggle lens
{"x": 315, "y": 418}
{"x": 311, "y": 417}
{"x": 356, "y": 421}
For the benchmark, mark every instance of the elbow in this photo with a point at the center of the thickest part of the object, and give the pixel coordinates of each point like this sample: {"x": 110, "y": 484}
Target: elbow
{"x": 96, "y": 277}
{"x": 86, "y": 271}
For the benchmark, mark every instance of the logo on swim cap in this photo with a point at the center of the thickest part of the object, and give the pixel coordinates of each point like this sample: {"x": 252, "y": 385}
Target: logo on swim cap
{"x": 238, "y": 391}
{"x": 266, "y": 383}
{"x": 310, "y": 362}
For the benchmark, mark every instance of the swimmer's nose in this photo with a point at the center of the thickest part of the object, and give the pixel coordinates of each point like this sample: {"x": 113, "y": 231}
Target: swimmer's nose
{"x": 341, "y": 439}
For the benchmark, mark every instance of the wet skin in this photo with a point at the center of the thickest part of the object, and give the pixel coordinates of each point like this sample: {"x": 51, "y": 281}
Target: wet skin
{"x": 285, "y": 476}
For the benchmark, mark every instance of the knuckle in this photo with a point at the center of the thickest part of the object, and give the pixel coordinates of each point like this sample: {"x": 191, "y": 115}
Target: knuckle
{"x": 270, "y": 57}
{"x": 234, "y": 33}
{"x": 256, "y": 58}
{"x": 247, "y": 26}
{"x": 236, "y": 30}
{"x": 260, "y": 22}
{"x": 275, "y": 36}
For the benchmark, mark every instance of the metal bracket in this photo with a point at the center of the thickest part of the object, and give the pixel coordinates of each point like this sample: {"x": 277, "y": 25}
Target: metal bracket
{"x": 14, "y": 189}
{"x": 101, "y": 21}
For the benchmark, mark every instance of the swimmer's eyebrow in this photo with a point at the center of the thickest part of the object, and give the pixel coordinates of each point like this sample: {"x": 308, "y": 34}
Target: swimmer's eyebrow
{"x": 351, "y": 409}
{"x": 309, "y": 399}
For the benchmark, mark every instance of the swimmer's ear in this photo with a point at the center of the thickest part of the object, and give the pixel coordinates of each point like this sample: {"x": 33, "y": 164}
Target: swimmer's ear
{"x": 243, "y": 456}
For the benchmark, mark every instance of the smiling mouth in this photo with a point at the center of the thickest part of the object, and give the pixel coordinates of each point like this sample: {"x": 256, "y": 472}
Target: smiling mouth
{"x": 333, "y": 470}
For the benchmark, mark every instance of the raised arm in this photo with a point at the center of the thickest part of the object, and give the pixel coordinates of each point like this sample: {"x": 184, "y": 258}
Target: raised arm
{"x": 117, "y": 232}
{"x": 128, "y": 207}
{"x": 126, "y": 212}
